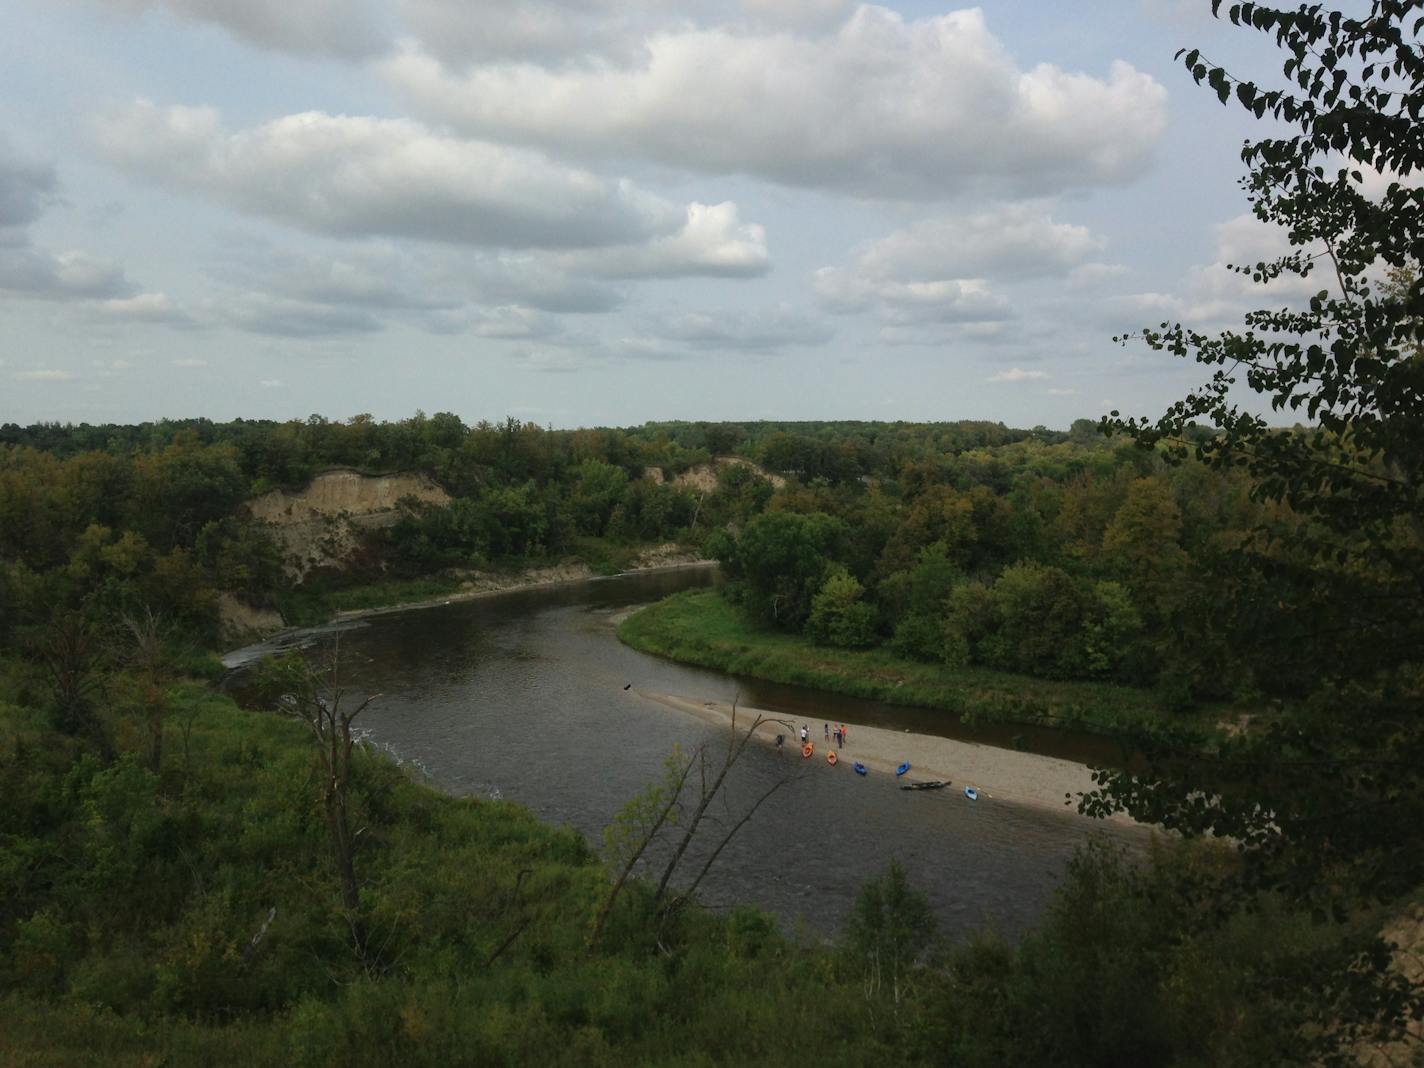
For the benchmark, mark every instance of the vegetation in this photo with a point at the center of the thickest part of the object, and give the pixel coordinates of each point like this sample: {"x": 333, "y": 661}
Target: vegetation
{"x": 1334, "y": 809}
{"x": 198, "y": 914}
{"x": 701, "y": 627}
{"x": 184, "y": 880}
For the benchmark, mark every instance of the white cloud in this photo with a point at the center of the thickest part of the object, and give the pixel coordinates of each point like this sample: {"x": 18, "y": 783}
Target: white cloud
{"x": 1017, "y": 374}
{"x": 714, "y": 241}
{"x": 806, "y": 13}
{"x": 1212, "y": 296}
{"x": 1061, "y": 392}
{"x": 147, "y": 308}
{"x": 1245, "y": 240}
{"x": 1094, "y": 275}
{"x": 376, "y": 276}
{"x": 514, "y": 321}
{"x": 1005, "y": 240}
{"x": 271, "y": 383}
{"x": 27, "y": 187}
{"x": 348, "y": 29}
{"x": 944, "y": 300}
{"x": 529, "y": 30}
{"x": 937, "y": 269}
{"x": 884, "y": 107}
{"x": 33, "y": 272}
{"x": 762, "y": 330}
{"x": 189, "y": 361}
{"x": 274, "y": 316}
{"x": 46, "y": 376}
{"x": 533, "y": 280}
{"x": 353, "y": 176}
{"x": 552, "y": 361}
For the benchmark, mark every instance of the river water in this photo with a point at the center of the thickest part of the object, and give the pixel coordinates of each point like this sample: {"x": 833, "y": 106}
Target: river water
{"x": 521, "y": 696}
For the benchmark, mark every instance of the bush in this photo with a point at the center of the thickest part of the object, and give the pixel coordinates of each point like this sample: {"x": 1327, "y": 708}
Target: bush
{"x": 840, "y": 616}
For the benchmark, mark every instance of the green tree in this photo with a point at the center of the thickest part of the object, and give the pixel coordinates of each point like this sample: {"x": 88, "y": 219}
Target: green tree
{"x": 780, "y": 562}
{"x": 1327, "y": 798}
{"x": 916, "y": 600}
{"x": 597, "y": 489}
{"x": 888, "y": 933}
{"x": 839, "y": 614}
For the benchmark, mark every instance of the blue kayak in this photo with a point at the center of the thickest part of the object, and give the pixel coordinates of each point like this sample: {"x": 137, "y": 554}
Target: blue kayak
{"x": 903, "y": 768}
{"x": 971, "y": 793}
{"x": 859, "y": 768}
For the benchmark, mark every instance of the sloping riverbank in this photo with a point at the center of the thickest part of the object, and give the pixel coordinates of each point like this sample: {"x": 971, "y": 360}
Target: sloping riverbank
{"x": 699, "y": 627}
{"x": 1002, "y": 775}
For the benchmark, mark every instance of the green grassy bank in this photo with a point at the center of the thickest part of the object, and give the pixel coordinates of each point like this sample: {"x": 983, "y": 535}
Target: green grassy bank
{"x": 701, "y": 627}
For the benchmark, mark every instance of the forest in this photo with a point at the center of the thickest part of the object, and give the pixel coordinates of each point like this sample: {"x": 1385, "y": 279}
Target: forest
{"x": 185, "y": 880}
{"x": 1063, "y": 555}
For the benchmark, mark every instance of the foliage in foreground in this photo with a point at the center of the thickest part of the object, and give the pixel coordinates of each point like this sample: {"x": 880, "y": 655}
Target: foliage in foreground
{"x": 195, "y": 913}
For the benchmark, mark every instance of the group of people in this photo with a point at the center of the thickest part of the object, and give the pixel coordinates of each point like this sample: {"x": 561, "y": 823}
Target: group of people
{"x": 838, "y": 733}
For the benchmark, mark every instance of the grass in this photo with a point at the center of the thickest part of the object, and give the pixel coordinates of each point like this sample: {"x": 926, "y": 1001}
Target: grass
{"x": 701, "y": 627}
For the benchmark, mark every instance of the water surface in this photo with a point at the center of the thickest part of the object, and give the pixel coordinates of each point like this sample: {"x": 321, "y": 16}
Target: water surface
{"x": 522, "y": 696}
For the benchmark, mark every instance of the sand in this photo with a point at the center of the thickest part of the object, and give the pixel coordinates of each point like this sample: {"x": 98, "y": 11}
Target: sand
{"x": 998, "y": 774}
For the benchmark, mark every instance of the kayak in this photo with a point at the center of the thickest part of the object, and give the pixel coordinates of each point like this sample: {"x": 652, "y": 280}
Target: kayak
{"x": 933, "y": 784}
{"x": 831, "y": 757}
{"x": 902, "y": 768}
{"x": 971, "y": 793}
{"x": 859, "y": 768}
{"x": 807, "y": 749}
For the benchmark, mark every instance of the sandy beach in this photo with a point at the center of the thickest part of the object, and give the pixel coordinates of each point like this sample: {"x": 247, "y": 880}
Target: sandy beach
{"x": 998, "y": 774}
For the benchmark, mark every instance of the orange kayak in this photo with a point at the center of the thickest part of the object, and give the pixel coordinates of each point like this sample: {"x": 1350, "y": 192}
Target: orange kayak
{"x": 831, "y": 757}
{"x": 807, "y": 749}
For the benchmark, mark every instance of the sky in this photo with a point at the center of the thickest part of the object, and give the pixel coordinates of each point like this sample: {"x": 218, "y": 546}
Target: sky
{"x": 584, "y": 212}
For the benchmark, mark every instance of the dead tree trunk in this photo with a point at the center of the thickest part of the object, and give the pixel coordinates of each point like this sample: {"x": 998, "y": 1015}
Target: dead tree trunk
{"x": 644, "y": 817}
{"x": 735, "y": 748}
{"x": 149, "y": 659}
{"x": 320, "y": 701}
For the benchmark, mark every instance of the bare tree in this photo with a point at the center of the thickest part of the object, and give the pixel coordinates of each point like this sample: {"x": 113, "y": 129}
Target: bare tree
{"x": 318, "y": 698}
{"x": 660, "y": 806}
{"x": 69, "y": 648}
{"x": 735, "y": 747}
{"x": 638, "y": 825}
{"x": 148, "y": 657}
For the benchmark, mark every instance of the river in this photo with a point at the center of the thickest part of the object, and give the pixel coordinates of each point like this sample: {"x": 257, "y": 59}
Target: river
{"x": 521, "y": 696}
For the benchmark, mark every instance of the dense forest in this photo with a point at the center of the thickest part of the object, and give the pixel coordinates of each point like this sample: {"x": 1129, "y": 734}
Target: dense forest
{"x": 186, "y": 881}
{"x": 1061, "y": 554}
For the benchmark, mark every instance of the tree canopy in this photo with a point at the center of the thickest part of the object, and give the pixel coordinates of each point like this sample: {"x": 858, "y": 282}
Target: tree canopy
{"x": 1324, "y": 793}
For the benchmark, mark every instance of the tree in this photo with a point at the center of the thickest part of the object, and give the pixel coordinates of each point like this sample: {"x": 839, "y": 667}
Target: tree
{"x": 69, "y": 647}
{"x": 888, "y": 931}
{"x": 839, "y": 614}
{"x": 780, "y": 562}
{"x": 637, "y": 826}
{"x": 151, "y": 662}
{"x": 640, "y": 824}
{"x": 317, "y": 697}
{"x": 1327, "y": 798}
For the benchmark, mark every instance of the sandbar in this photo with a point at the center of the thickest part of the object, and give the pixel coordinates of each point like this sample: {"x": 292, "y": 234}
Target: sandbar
{"x": 997, "y": 774}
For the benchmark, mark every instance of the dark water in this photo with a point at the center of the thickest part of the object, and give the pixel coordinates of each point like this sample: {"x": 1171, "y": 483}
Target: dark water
{"x": 521, "y": 696}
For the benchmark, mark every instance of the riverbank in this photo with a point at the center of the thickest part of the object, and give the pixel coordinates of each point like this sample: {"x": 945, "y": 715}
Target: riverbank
{"x": 1003, "y": 775}
{"x": 700, "y": 627}
{"x": 534, "y": 578}
{"x": 244, "y": 625}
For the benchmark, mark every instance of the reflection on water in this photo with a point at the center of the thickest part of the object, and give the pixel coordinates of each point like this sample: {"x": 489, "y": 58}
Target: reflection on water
{"x": 522, "y": 696}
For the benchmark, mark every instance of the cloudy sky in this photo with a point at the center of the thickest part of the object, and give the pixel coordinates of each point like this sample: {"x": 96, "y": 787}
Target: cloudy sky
{"x": 587, "y": 212}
